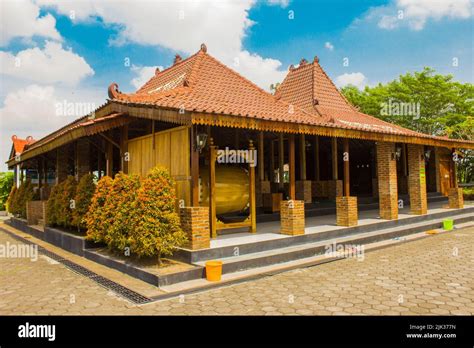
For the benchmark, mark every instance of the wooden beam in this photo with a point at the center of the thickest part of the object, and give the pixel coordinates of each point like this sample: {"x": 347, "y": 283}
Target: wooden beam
{"x": 302, "y": 157}
{"x": 272, "y": 161}
{"x": 124, "y": 149}
{"x": 334, "y": 158}
{"x": 194, "y": 169}
{"x": 347, "y": 190}
{"x": 252, "y": 195}
{"x": 291, "y": 156}
{"x": 109, "y": 169}
{"x": 260, "y": 157}
{"x": 316, "y": 158}
{"x": 281, "y": 159}
{"x": 212, "y": 188}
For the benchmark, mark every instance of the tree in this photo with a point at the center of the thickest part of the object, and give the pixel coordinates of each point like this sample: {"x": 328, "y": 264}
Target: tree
{"x": 6, "y": 184}
{"x": 65, "y": 202}
{"x": 156, "y": 226}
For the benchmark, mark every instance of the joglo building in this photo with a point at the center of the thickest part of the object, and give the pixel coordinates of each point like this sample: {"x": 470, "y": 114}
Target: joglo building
{"x": 240, "y": 155}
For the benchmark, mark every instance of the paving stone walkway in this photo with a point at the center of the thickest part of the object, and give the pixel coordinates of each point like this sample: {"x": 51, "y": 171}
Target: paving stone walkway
{"x": 429, "y": 276}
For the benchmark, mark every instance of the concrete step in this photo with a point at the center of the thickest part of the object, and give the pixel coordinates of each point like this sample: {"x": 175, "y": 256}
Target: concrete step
{"x": 194, "y": 256}
{"x": 295, "y": 252}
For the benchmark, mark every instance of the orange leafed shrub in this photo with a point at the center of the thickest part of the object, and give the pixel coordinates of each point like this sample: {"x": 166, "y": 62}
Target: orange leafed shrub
{"x": 97, "y": 222}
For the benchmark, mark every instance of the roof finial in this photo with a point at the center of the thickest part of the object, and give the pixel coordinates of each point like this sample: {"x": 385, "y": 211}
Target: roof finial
{"x": 113, "y": 91}
{"x": 303, "y": 62}
{"x": 177, "y": 59}
{"x": 316, "y": 59}
{"x": 157, "y": 71}
{"x": 204, "y": 47}
{"x": 14, "y": 137}
{"x": 292, "y": 67}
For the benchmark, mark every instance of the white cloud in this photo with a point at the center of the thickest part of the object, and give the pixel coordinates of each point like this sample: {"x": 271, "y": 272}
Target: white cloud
{"x": 181, "y": 26}
{"x": 21, "y": 18}
{"x": 143, "y": 73}
{"x": 53, "y": 64}
{"x": 356, "y": 79}
{"x": 329, "y": 46}
{"x": 282, "y": 3}
{"x": 33, "y": 110}
{"x": 415, "y": 13}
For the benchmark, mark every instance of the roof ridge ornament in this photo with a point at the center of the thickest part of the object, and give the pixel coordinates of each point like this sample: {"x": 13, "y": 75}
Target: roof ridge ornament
{"x": 292, "y": 67}
{"x": 204, "y": 48}
{"x": 316, "y": 59}
{"x": 14, "y": 137}
{"x": 177, "y": 59}
{"x": 113, "y": 91}
{"x": 303, "y": 62}
{"x": 157, "y": 71}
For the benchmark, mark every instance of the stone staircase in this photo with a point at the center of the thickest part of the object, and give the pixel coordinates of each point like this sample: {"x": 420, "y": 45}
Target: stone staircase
{"x": 241, "y": 257}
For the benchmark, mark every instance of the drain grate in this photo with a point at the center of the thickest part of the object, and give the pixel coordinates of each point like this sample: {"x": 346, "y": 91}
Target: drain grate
{"x": 120, "y": 290}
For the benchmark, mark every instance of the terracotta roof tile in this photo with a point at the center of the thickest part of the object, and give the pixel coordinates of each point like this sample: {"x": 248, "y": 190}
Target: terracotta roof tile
{"x": 20, "y": 144}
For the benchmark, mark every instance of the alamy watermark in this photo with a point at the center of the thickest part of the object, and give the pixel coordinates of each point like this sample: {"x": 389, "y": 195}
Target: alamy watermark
{"x": 67, "y": 108}
{"x": 395, "y": 108}
{"x": 237, "y": 156}
{"x": 345, "y": 250}
{"x": 8, "y": 250}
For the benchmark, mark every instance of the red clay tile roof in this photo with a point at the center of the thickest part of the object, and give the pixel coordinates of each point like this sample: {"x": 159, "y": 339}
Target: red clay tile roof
{"x": 201, "y": 83}
{"x": 310, "y": 88}
{"x": 20, "y": 144}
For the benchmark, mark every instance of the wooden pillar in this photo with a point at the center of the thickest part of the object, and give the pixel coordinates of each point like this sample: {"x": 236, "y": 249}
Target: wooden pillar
{"x": 347, "y": 188}
{"x": 194, "y": 170}
{"x": 109, "y": 159}
{"x": 260, "y": 157}
{"x": 272, "y": 161}
{"x": 212, "y": 188}
{"x": 291, "y": 157}
{"x": 252, "y": 194}
{"x": 302, "y": 157}
{"x": 281, "y": 159}
{"x": 124, "y": 149}
{"x": 40, "y": 172}
{"x": 61, "y": 164}
{"x": 316, "y": 158}
{"x": 334, "y": 158}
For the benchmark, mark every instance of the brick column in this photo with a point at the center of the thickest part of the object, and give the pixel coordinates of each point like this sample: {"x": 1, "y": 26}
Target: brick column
{"x": 346, "y": 211}
{"x": 36, "y": 212}
{"x": 61, "y": 164}
{"x": 303, "y": 190}
{"x": 82, "y": 158}
{"x": 195, "y": 223}
{"x": 456, "y": 199}
{"x": 417, "y": 180}
{"x": 387, "y": 180}
{"x": 334, "y": 188}
{"x": 292, "y": 218}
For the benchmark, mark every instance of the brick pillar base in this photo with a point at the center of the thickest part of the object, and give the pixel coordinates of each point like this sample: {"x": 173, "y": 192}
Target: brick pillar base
{"x": 456, "y": 199}
{"x": 261, "y": 188}
{"x": 292, "y": 218}
{"x": 195, "y": 223}
{"x": 387, "y": 181}
{"x": 319, "y": 188}
{"x": 417, "y": 180}
{"x": 303, "y": 191}
{"x": 36, "y": 212}
{"x": 334, "y": 188}
{"x": 346, "y": 211}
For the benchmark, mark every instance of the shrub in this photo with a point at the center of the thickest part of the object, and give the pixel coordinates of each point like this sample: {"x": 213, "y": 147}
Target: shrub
{"x": 11, "y": 199}
{"x": 118, "y": 210}
{"x": 84, "y": 192}
{"x": 24, "y": 194}
{"x": 52, "y": 206}
{"x": 64, "y": 202}
{"x": 6, "y": 184}
{"x": 156, "y": 226}
{"x": 96, "y": 222}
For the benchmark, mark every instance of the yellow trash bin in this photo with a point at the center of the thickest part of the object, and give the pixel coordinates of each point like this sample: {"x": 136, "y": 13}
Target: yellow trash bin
{"x": 213, "y": 270}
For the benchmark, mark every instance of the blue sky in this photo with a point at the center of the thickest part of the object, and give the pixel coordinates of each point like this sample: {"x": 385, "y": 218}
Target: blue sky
{"x": 71, "y": 51}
